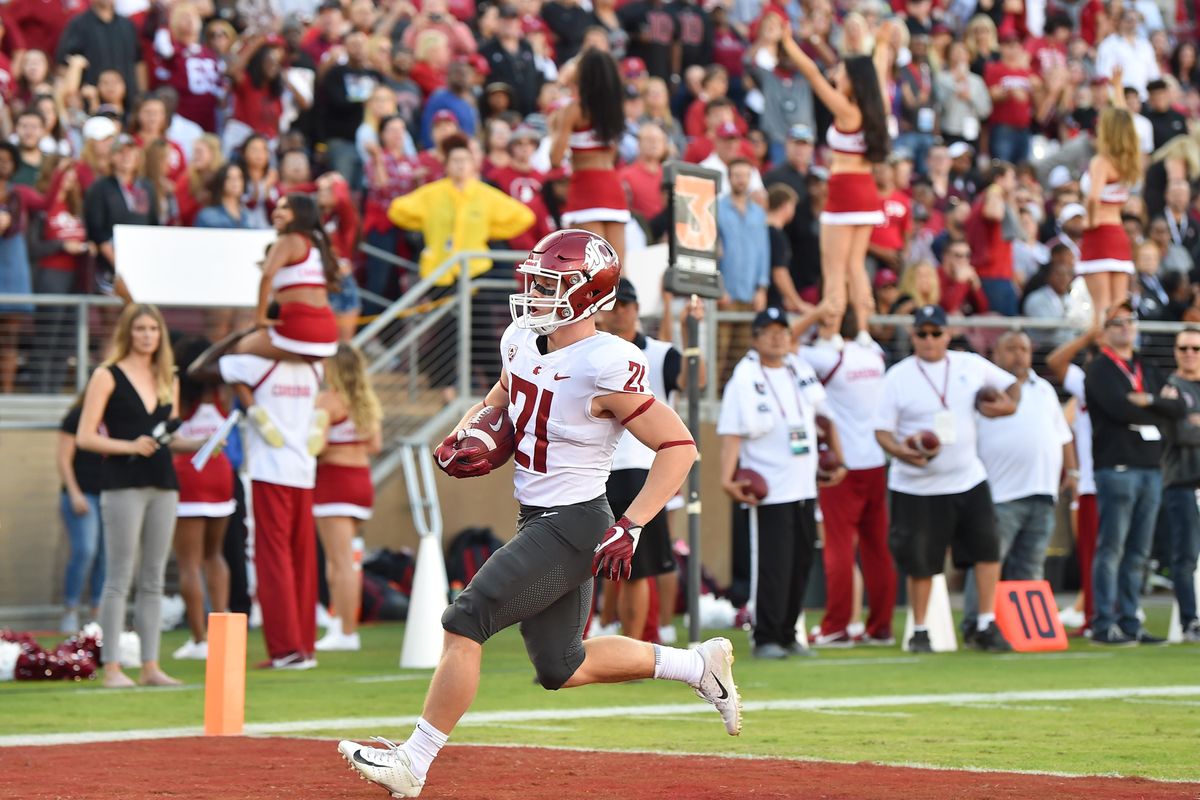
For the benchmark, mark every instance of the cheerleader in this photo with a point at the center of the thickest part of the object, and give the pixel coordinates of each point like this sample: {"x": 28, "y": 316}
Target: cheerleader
{"x": 591, "y": 128}
{"x": 1105, "y": 258}
{"x": 298, "y": 270}
{"x": 344, "y": 494}
{"x": 858, "y": 138}
{"x": 205, "y": 505}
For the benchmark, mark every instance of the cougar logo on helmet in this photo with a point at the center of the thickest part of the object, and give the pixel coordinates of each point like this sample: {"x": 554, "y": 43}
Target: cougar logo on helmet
{"x": 570, "y": 275}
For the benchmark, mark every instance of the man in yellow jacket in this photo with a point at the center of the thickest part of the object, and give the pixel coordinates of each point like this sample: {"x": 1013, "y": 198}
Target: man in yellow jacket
{"x": 459, "y": 212}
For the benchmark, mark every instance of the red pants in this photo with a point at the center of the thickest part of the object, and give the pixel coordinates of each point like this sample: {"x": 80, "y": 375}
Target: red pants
{"x": 855, "y": 514}
{"x": 285, "y": 557}
{"x": 1087, "y": 524}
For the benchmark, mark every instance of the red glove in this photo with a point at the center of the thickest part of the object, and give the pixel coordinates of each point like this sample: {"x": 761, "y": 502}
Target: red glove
{"x": 614, "y": 554}
{"x": 457, "y": 462}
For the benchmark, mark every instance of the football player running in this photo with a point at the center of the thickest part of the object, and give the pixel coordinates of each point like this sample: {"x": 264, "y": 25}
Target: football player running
{"x": 571, "y": 391}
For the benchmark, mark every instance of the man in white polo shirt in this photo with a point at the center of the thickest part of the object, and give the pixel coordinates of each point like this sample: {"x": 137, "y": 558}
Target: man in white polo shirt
{"x": 855, "y": 510}
{"x": 768, "y": 424}
{"x": 942, "y": 499}
{"x": 285, "y": 555}
{"x": 1024, "y": 455}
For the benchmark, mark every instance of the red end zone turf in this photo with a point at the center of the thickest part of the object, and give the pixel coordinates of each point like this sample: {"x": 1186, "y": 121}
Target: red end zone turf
{"x": 308, "y": 769}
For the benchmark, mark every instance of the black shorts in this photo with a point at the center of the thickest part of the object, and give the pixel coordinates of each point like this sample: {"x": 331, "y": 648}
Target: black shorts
{"x": 542, "y": 578}
{"x": 653, "y": 555}
{"x": 923, "y": 526}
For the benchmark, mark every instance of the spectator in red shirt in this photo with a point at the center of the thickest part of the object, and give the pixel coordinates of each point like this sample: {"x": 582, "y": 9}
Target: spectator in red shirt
{"x": 1012, "y": 87}
{"x": 1049, "y": 52}
{"x": 714, "y": 85}
{"x": 258, "y": 85}
{"x": 149, "y": 124}
{"x": 433, "y": 55}
{"x": 390, "y": 173}
{"x": 520, "y": 181}
{"x": 961, "y": 288}
{"x": 326, "y": 31}
{"x": 41, "y": 23}
{"x": 434, "y": 17}
{"x": 716, "y": 112}
{"x": 643, "y": 178}
{"x": 888, "y": 245}
{"x": 991, "y": 229}
{"x": 191, "y": 188}
{"x": 190, "y": 68}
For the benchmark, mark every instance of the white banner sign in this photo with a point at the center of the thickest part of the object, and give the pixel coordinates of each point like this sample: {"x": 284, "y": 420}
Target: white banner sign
{"x": 191, "y": 266}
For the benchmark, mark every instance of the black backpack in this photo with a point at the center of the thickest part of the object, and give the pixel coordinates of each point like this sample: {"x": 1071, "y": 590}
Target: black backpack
{"x": 467, "y": 552}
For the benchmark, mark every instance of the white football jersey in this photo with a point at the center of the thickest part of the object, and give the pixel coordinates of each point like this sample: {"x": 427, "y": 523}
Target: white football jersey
{"x": 563, "y": 453}
{"x": 631, "y": 453}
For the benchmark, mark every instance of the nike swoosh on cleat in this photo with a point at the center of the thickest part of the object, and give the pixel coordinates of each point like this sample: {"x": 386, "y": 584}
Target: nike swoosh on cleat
{"x": 358, "y": 757}
{"x": 724, "y": 693}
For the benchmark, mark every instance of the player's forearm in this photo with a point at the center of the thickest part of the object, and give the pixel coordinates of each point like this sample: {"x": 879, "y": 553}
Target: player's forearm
{"x": 667, "y": 474}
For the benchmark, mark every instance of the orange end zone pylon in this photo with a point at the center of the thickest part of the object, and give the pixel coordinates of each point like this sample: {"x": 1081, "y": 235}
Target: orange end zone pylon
{"x": 225, "y": 675}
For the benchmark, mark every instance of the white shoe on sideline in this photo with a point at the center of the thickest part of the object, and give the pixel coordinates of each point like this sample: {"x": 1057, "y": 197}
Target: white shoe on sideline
{"x": 388, "y": 768}
{"x": 716, "y": 684}
{"x": 666, "y": 634}
{"x": 1071, "y": 618}
{"x": 333, "y": 641}
{"x": 191, "y": 651}
{"x": 611, "y": 629}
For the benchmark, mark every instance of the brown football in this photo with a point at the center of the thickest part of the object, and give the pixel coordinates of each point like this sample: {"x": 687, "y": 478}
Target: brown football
{"x": 758, "y": 484}
{"x": 490, "y": 430}
{"x": 986, "y": 395}
{"x": 925, "y": 442}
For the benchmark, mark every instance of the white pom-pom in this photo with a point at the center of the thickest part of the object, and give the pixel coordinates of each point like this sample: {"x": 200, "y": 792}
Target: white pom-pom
{"x": 9, "y": 653}
{"x": 129, "y": 650}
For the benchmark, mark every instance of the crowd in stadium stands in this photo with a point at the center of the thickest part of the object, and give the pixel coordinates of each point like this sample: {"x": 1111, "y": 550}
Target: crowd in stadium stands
{"x": 207, "y": 113}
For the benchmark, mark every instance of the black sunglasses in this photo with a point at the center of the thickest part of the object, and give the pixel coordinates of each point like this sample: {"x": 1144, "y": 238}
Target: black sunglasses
{"x": 928, "y": 334}
{"x": 1188, "y": 348}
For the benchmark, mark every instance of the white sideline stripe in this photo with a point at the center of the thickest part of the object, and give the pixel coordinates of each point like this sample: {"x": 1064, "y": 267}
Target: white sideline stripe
{"x": 495, "y": 717}
{"x": 814, "y": 760}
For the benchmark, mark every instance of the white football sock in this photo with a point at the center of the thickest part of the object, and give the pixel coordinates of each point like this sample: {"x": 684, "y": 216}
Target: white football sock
{"x": 674, "y": 664}
{"x": 423, "y": 746}
{"x": 920, "y": 628}
{"x": 982, "y": 622}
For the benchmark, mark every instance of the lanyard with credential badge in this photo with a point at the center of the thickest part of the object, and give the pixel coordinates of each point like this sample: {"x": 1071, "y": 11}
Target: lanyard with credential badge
{"x": 1134, "y": 377}
{"x": 941, "y": 396}
{"x": 797, "y": 435}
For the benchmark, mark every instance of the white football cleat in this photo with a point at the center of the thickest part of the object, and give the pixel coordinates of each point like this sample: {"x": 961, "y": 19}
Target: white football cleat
{"x": 191, "y": 651}
{"x": 717, "y": 686}
{"x": 389, "y": 768}
{"x": 334, "y": 641}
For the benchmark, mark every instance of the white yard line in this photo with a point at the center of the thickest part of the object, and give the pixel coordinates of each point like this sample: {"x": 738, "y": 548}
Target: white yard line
{"x": 484, "y": 718}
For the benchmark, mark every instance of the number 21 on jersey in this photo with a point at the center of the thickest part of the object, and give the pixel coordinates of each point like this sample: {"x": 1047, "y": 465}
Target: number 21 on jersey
{"x": 530, "y": 400}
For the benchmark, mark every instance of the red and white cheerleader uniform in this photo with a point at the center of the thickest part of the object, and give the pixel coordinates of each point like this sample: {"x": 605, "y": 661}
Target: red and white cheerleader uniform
{"x": 209, "y": 492}
{"x": 303, "y": 329}
{"x": 343, "y": 491}
{"x": 853, "y": 196}
{"x": 593, "y": 195}
{"x": 1105, "y": 248}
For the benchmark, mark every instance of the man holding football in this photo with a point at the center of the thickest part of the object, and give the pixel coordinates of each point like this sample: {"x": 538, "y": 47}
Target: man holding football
{"x": 570, "y": 391}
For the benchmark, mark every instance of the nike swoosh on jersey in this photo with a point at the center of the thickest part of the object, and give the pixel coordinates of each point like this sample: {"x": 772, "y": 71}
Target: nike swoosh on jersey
{"x": 558, "y": 377}
{"x": 724, "y": 692}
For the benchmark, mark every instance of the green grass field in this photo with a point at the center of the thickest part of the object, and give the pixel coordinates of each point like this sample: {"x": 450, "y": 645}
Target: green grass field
{"x": 862, "y": 704}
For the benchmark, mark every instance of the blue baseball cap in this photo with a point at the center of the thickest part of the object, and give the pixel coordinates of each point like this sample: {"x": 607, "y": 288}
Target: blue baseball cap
{"x": 930, "y": 315}
{"x": 770, "y": 316}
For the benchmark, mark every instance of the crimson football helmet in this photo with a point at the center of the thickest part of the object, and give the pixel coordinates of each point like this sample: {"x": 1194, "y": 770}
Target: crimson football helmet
{"x": 582, "y": 270}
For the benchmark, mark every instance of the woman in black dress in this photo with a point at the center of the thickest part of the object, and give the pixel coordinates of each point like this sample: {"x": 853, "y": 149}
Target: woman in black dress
{"x": 134, "y": 394}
